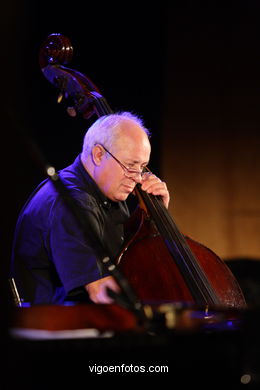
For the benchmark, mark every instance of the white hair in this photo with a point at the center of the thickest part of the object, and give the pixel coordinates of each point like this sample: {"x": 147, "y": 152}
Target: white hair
{"x": 106, "y": 130}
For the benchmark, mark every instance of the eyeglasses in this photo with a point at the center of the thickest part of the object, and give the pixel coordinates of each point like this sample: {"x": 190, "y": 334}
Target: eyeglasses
{"x": 128, "y": 172}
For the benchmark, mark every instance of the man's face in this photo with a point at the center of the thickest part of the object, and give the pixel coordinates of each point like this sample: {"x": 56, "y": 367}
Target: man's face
{"x": 131, "y": 150}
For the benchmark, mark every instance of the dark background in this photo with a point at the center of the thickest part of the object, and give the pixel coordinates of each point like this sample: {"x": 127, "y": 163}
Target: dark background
{"x": 120, "y": 47}
{"x": 124, "y": 49}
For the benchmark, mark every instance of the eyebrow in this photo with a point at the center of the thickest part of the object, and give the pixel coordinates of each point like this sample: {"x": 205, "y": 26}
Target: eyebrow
{"x": 129, "y": 161}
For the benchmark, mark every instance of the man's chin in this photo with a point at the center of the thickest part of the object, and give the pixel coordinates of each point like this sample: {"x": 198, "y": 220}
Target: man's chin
{"x": 122, "y": 196}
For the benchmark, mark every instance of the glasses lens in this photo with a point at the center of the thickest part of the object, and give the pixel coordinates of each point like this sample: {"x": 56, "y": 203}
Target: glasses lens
{"x": 128, "y": 172}
{"x": 133, "y": 172}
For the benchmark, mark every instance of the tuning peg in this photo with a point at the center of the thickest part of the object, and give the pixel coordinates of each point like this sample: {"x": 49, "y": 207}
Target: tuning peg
{"x": 60, "y": 97}
{"x": 71, "y": 111}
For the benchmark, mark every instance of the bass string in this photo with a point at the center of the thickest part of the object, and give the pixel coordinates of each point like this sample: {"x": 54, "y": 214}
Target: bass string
{"x": 188, "y": 264}
{"x": 102, "y": 106}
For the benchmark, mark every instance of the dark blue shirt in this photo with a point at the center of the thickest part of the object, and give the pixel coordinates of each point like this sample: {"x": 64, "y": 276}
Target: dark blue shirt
{"x": 52, "y": 256}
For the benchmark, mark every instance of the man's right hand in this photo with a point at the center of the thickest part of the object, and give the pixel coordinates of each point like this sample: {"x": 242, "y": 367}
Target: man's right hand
{"x": 97, "y": 290}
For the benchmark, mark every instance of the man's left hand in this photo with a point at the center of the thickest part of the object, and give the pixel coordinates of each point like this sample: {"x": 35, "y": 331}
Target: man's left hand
{"x": 153, "y": 185}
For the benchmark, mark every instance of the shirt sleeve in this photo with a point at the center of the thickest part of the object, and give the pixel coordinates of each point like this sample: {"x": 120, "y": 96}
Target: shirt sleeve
{"x": 75, "y": 256}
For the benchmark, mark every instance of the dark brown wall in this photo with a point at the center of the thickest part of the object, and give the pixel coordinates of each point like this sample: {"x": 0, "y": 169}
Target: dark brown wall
{"x": 210, "y": 139}
{"x": 192, "y": 73}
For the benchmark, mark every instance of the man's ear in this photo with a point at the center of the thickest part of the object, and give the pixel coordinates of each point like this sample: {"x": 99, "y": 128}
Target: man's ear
{"x": 97, "y": 154}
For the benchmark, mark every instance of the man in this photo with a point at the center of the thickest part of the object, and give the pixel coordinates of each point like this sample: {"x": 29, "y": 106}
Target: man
{"x": 53, "y": 259}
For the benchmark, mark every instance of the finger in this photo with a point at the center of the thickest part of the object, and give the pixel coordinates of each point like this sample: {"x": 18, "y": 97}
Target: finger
{"x": 154, "y": 185}
{"x": 160, "y": 189}
{"x": 149, "y": 181}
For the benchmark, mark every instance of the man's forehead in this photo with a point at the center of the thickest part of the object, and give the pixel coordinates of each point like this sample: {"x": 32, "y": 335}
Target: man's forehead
{"x": 134, "y": 154}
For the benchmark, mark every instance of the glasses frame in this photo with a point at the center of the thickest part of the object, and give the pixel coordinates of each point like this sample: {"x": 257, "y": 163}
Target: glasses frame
{"x": 131, "y": 172}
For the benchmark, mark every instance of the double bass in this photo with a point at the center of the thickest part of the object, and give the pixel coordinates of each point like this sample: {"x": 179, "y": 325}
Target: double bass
{"x": 160, "y": 263}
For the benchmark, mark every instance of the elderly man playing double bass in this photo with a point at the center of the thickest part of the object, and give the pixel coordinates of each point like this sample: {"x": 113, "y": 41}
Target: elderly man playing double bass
{"x": 53, "y": 261}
